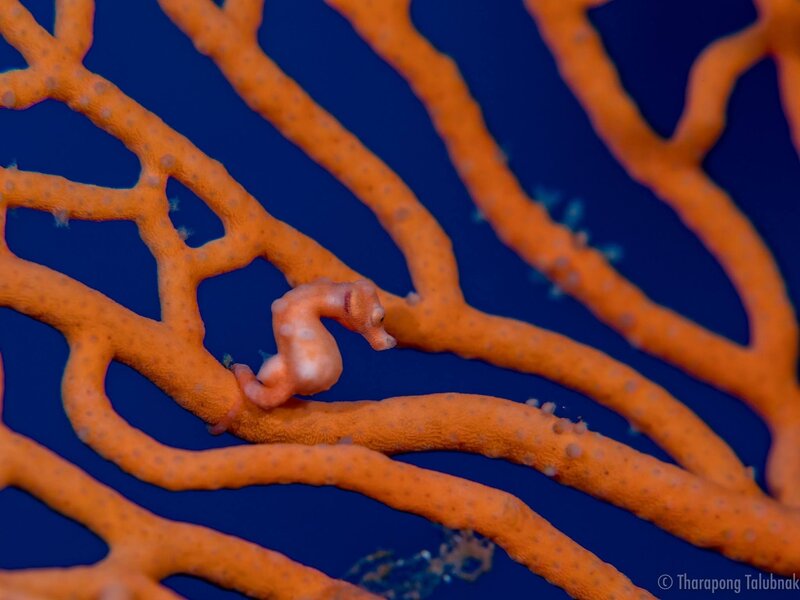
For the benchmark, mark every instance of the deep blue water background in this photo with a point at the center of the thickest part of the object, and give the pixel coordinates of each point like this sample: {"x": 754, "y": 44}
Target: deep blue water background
{"x": 549, "y": 143}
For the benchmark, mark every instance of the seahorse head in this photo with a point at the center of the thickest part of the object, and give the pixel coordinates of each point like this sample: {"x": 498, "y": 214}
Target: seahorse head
{"x": 364, "y": 314}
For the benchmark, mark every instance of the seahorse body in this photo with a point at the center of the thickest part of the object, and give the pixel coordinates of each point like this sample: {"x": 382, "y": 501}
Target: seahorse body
{"x": 308, "y": 359}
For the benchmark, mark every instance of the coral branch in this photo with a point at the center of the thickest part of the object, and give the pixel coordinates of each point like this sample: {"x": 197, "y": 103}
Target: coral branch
{"x": 50, "y": 193}
{"x": 664, "y": 494}
{"x": 22, "y": 88}
{"x": 709, "y": 212}
{"x": 284, "y": 103}
{"x": 549, "y": 354}
{"x": 582, "y": 271}
{"x": 453, "y": 502}
{"x": 705, "y": 208}
{"x": 709, "y": 500}
{"x": 711, "y": 82}
{"x": 245, "y": 13}
{"x": 782, "y": 19}
{"x": 266, "y": 89}
{"x": 74, "y": 20}
{"x": 522, "y": 224}
{"x": 144, "y": 548}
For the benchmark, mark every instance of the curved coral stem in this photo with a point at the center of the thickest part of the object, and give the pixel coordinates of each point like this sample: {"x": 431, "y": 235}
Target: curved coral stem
{"x": 761, "y": 374}
{"x": 745, "y": 526}
{"x": 144, "y": 548}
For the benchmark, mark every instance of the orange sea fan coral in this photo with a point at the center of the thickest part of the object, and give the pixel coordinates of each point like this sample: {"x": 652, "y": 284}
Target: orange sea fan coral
{"x": 708, "y": 497}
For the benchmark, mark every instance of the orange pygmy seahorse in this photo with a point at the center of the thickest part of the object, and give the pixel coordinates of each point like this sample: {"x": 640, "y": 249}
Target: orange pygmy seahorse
{"x": 308, "y": 360}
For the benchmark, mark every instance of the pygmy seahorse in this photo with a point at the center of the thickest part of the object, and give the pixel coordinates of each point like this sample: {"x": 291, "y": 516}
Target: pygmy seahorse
{"x": 308, "y": 359}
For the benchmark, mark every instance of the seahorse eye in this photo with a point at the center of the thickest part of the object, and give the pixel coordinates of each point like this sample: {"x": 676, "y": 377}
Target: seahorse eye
{"x": 378, "y": 315}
